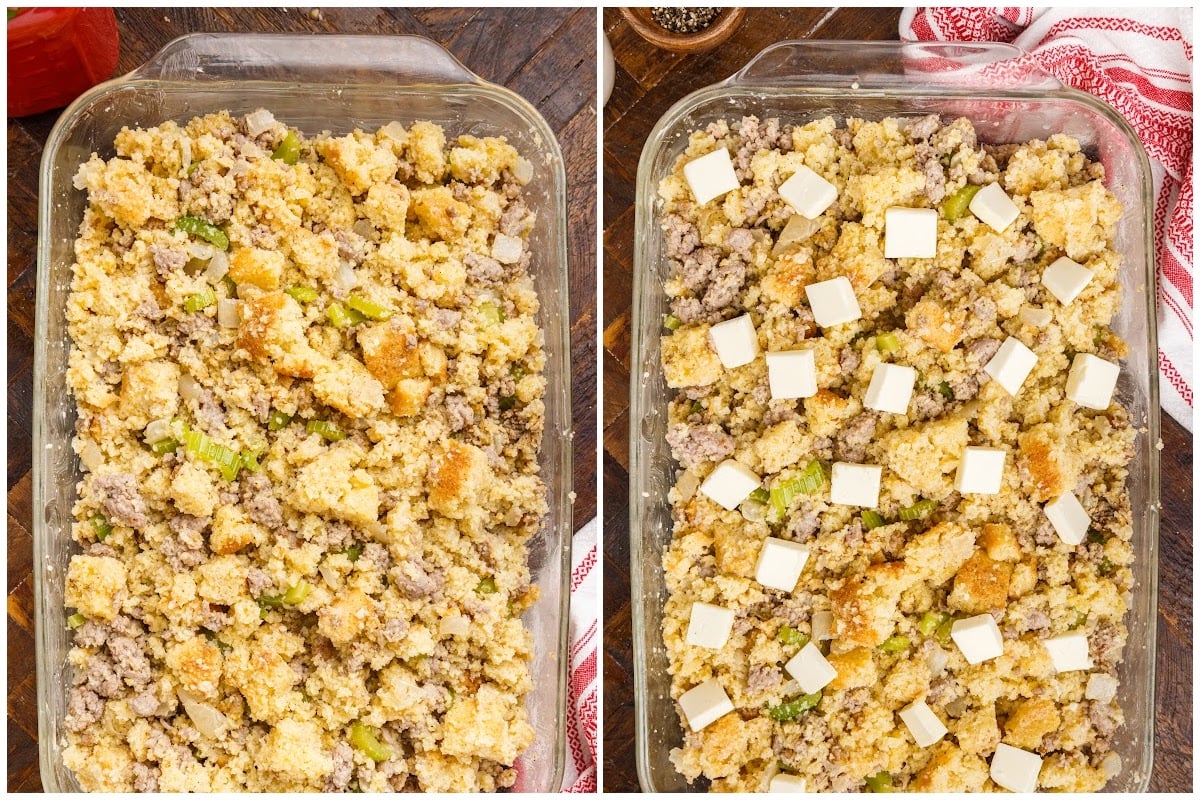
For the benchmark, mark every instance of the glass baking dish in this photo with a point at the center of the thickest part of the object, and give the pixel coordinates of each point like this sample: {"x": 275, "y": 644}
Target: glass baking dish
{"x": 1002, "y": 91}
{"x": 315, "y": 83}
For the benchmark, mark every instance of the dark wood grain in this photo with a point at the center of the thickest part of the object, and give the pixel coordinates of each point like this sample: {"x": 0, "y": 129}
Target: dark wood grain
{"x": 648, "y": 82}
{"x": 546, "y": 55}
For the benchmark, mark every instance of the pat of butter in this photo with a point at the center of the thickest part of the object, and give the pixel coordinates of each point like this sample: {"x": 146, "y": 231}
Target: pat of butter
{"x": 709, "y": 625}
{"x": 729, "y": 484}
{"x": 1015, "y": 769}
{"x": 833, "y": 302}
{"x": 1069, "y": 652}
{"x": 1066, "y": 279}
{"x": 923, "y": 724}
{"x": 1011, "y": 365}
{"x": 910, "y": 233}
{"x": 735, "y": 341}
{"x": 978, "y": 638}
{"x": 711, "y": 175}
{"x": 822, "y": 626}
{"x": 792, "y": 374}
{"x": 1070, "y": 520}
{"x": 788, "y": 783}
{"x": 705, "y": 704}
{"x": 780, "y": 563}
{"x": 808, "y": 193}
{"x": 855, "y": 484}
{"x": 993, "y": 207}
{"x": 810, "y": 669}
{"x": 981, "y": 470}
{"x": 1092, "y": 381}
{"x": 891, "y": 388}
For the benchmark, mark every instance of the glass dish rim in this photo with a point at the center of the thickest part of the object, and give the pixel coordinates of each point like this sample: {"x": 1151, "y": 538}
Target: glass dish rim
{"x": 743, "y": 83}
{"x": 558, "y": 522}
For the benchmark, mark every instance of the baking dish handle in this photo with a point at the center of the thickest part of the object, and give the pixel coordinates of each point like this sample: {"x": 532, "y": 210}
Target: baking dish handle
{"x": 305, "y": 58}
{"x": 894, "y": 66}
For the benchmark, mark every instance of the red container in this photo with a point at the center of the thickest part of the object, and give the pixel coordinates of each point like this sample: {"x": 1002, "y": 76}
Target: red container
{"x": 55, "y": 54}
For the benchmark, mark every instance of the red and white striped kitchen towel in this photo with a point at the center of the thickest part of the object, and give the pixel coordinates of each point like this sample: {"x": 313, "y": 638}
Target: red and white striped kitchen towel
{"x": 1140, "y": 63}
{"x": 584, "y": 677}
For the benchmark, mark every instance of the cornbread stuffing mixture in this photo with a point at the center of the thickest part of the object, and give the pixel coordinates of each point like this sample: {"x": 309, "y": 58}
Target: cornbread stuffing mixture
{"x": 901, "y": 539}
{"x": 309, "y": 387}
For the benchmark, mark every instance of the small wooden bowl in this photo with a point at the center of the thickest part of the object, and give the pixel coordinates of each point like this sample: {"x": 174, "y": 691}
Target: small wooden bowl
{"x": 726, "y": 22}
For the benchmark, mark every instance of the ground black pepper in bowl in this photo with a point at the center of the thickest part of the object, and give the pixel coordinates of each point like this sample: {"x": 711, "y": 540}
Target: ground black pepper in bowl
{"x": 684, "y": 20}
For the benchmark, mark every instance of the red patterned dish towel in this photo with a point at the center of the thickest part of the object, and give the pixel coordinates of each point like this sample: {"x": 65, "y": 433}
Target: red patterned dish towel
{"x": 584, "y": 677}
{"x": 1141, "y": 65}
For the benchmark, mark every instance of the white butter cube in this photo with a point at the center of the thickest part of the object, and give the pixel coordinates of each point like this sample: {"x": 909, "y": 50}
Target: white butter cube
{"x": 891, "y": 388}
{"x": 978, "y": 638}
{"x": 1065, "y": 279}
{"x": 729, "y": 484}
{"x": 1015, "y": 769}
{"x": 822, "y": 626}
{"x": 808, "y": 193}
{"x": 923, "y": 724}
{"x": 792, "y": 374}
{"x": 1011, "y": 364}
{"x": 788, "y": 783}
{"x": 1091, "y": 381}
{"x": 992, "y": 206}
{"x": 780, "y": 563}
{"x": 1070, "y": 520}
{"x": 735, "y": 341}
{"x": 981, "y": 470}
{"x": 910, "y": 233}
{"x": 709, "y": 625}
{"x": 810, "y": 669}
{"x": 855, "y": 484}
{"x": 833, "y": 302}
{"x": 1069, "y": 652}
{"x": 711, "y": 175}
{"x": 705, "y": 704}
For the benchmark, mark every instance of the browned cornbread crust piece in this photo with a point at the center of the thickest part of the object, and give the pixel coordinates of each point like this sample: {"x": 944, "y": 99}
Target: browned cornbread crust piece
{"x": 340, "y": 607}
{"x": 974, "y": 554}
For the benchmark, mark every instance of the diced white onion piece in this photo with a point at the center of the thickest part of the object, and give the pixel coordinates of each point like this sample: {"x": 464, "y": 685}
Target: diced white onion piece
{"x": 1037, "y": 317}
{"x": 937, "y": 660}
{"x": 240, "y": 167}
{"x": 185, "y": 151}
{"x": 208, "y": 720}
{"x": 798, "y": 229}
{"x": 218, "y": 267}
{"x": 189, "y": 387}
{"x": 201, "y": 250}
{"x": 686, "y": 486}
{"x": 522, "y": 171}
{"x": 754, "y": 511}
{"x": 395, "y": 130}
{"x": 90, "y": 456}
{"x": 157, "y": 430}
{"x": 457, "y": 625}
{"x": 506, "y": 249}
{"x": 229, "y": 313}
{"x": 259, "y": 121}
{"x": 345, "y": 280}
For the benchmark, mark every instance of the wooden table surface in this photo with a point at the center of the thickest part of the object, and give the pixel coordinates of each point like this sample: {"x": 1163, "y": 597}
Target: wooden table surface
{"x": 545, "y": 55}
{"x": 648, "y": 82}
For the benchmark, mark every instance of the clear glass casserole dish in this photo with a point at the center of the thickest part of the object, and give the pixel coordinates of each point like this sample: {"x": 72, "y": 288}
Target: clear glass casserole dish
{"x": 315, "y": 83}
{"x": 1002, "y": 91}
